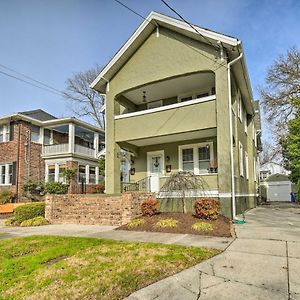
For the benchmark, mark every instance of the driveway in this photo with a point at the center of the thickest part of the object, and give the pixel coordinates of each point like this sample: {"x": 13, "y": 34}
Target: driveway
{"x": 262, "y": 263}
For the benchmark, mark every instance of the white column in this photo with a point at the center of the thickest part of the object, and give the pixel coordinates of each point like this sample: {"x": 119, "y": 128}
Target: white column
{"x": 46, "y": 173}
{"x": 42, "y": 135}
{"x": 97, "y": 174}
{"x": 96, "y": 143}
{"x": 56, "y": 176}
{"x": 71, "y": 138}
{"x": 87, "y": 174}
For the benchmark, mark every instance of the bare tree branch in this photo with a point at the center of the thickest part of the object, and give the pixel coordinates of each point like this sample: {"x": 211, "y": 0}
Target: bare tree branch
{"x": 83, "y": 101}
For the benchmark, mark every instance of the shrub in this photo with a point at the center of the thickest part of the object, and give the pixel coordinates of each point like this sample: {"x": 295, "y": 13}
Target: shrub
{"x": 9, "y": 222}
{"x": 33, "y": 189}
{"x": 6, "y": 197}
{"x": 28, "y": 211}
{"x": 37, "y": 221}
{"x": 207, "y": 208}
{"x": 150, "y": 207}
{"x": 167, "y": 223}
{"x": 52, "y": 187}
{"x": 202, "y": 226}
{"x": 135, "y": 223}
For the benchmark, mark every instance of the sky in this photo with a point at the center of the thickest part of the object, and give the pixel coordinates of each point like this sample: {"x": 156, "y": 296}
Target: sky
{"x": 50, "y": 40}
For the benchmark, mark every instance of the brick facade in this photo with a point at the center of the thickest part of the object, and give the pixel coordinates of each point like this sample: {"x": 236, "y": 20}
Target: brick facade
{"x": 94, "y": 209}
{"x": 26, "y": 155}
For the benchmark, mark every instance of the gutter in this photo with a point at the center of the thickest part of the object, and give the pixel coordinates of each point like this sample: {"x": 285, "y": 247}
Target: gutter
{"x": 230, "y": 132}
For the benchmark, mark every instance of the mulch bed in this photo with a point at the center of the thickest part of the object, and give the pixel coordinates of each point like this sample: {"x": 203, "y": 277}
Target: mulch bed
{"x": 221, "y": 226}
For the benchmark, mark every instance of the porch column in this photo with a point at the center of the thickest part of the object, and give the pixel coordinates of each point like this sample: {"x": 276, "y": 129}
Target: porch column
{"x": 96, "y": 143}
{"x": 87, "y": 174}
{"x": 97, "y": 174}
{"x": 42, "y": 135}
{"x": 223, "y": 141}
{"x": 56, "y": 174}
{"x": 46, "y": 173}
{"x": 71, "y": 138}
{"x": 112, "y": 160}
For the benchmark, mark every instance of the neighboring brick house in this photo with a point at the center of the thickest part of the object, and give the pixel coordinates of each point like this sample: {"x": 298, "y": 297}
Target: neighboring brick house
{"x": 36, "y": 145}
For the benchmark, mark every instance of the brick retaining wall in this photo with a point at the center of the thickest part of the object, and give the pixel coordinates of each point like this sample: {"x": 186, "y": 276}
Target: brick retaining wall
{"x": 94, "y": 208}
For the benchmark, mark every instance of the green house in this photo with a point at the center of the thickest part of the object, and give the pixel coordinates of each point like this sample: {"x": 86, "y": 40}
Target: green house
{"x": 179, "y": 98}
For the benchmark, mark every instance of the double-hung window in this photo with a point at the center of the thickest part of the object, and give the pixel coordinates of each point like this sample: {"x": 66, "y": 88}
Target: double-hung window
{"x": 81, "y": 174}
{"x": 35, "y": 133}
{"x": 92, "y": 175}
{"x": 51, "y": 173}
{"x": 6, "y": 174}
{"x": 196, "y": 158}
{"x": 1, "y": 133}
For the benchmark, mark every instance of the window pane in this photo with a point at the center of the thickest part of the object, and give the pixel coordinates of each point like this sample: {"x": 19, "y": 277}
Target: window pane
{"x": 204, "y": 153}
{"x": 47, "y": 136}
{"x": 61, "y": 176}
{"x": 188, "y": 159}
{"x": 92, "y": 175}
{"x": 51, "y": 173}
{"x": 10, "y": 174}
{"x": 35, "y": 133}
{"x": 81, "y": 175}
{"x": 155, "y": 164}
{"x": 186, "y": 99}
{"x": 2, "y": 180}
{"x": 204, "y": 166}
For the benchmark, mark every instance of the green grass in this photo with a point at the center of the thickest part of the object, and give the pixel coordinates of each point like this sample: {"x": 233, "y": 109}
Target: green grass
{"x": 53, "y": 267}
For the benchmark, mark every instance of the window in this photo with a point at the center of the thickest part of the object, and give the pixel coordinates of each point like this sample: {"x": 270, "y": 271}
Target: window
{"x": 35, "y": 133}
{"x": 202, "y": 95}
{"x": 1, "y": 133}
{"x": 154, "y": 104}
{"x": 92, "y": 175}
{"x": 188, "y": 159}
{"x": 241, "y": 159}
{"x": 6, "y": 174}
{"x": 196, "y": 158}
{"x": 2, "y": 174}
{"x": 47, "y": 137}
{"x": 183, "y": 99}
{"x": 194, "y": 95}
{"x": 204, "y": 159}
{"x": 246, "y": 165}
{"x": 240, "y": 107}
{"x": 245, "y": 122}
{"x": 81, "y": 174}
{"x": 61, "y": 174}
{"x": 51, "y": 173}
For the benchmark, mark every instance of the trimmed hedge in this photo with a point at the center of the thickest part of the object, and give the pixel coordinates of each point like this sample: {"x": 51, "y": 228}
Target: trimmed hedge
{"x": 52, "y": 187}
{"x": 28, "y": 211}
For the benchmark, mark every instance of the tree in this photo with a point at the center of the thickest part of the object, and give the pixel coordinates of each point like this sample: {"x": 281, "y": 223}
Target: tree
{"x": 291, "y": 149}
{"x": 281, "y": 96}
{"x": 84, "y": 101}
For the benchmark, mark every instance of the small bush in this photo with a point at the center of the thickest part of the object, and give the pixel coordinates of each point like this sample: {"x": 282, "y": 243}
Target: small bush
{"x": 33, "y": 189}
{"x": 28, "y": 211}
{"x": 150, "y": 207}
{"x": 9, "y": 222}
{"x": 52, "y": 187}
{"x": 202, "y": 226}
{"x": 167, "y": 223}
{"x": 207, "y": 208}
{"x": 135, "y": 223}
{"x": 37, "y": 221}
{"x": 6, "y": 197}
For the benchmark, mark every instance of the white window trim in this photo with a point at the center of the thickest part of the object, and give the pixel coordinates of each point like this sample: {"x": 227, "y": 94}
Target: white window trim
{"x": 6, "y": 174}
{"x": 195, "y": 155}
{"x": 150, "y": 154}
{"x": 241, "y": 159}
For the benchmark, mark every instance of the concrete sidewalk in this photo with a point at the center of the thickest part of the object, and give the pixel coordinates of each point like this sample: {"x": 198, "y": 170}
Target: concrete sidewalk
{"x": 107, "y": 232}
{"x": 262, "y": 263}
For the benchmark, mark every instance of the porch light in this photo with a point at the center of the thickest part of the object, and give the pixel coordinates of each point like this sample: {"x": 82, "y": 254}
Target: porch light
{"x": 144, "y": 96}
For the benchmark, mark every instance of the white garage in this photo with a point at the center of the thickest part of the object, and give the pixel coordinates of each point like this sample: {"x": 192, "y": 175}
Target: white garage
{"x": 278, "y": 188}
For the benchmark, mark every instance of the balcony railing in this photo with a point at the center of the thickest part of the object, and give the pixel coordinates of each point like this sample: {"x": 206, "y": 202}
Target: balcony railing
{"x": 49, "y": 150}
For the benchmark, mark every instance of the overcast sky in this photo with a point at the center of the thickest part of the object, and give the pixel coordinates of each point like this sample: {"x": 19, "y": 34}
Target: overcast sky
{"x": 50, "y": 40}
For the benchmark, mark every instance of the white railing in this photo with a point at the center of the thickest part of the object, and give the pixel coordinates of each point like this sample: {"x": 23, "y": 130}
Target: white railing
{"x": 64, "y": 148}
{"x": 84, "y": 151}
{"x": 55, "y": 149}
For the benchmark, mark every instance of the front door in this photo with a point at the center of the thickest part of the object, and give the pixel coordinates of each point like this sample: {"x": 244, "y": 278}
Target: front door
{"x": 155, "y": 169}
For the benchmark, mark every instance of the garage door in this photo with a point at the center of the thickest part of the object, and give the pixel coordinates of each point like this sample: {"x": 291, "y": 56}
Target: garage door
{"x": 279, "y": 192}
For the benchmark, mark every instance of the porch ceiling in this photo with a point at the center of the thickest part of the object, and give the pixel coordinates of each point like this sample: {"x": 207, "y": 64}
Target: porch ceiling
{"x": 191, "y": 135}
{"x": 171, "y": 87}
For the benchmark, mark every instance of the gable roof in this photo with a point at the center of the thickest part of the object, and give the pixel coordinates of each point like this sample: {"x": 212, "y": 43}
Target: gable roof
{"x": 232, "y": 45}
{"x": 38, "y": 114}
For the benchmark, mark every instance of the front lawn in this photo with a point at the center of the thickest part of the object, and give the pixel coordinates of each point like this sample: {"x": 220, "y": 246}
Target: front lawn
{"x": 53, "y": 267}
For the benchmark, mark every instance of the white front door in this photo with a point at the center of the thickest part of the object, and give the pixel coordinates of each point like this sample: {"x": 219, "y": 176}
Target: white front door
{"x": 155, "y": 162}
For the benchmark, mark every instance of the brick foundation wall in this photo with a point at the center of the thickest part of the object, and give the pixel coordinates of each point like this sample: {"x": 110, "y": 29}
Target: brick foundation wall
{"x": 94, "y": 209}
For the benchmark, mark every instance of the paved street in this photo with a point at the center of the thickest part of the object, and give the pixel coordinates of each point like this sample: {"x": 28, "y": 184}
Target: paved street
{"x": 262, "y": 263}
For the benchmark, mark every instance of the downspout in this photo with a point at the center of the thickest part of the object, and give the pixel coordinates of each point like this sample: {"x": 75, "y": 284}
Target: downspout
{"x": 231, "y": 140}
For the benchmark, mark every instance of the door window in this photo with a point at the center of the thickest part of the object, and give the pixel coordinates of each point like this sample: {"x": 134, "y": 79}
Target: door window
{"x": 155, "y": 164}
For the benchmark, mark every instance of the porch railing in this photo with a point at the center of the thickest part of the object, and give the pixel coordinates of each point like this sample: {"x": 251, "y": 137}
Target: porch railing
{"x": 142, "y": 185}
{"x": 64, "y": 148}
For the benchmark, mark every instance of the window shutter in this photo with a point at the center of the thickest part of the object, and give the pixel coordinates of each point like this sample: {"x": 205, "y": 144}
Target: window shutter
{"x": 11, "y": 131}
{"x": 14, "y": 173}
